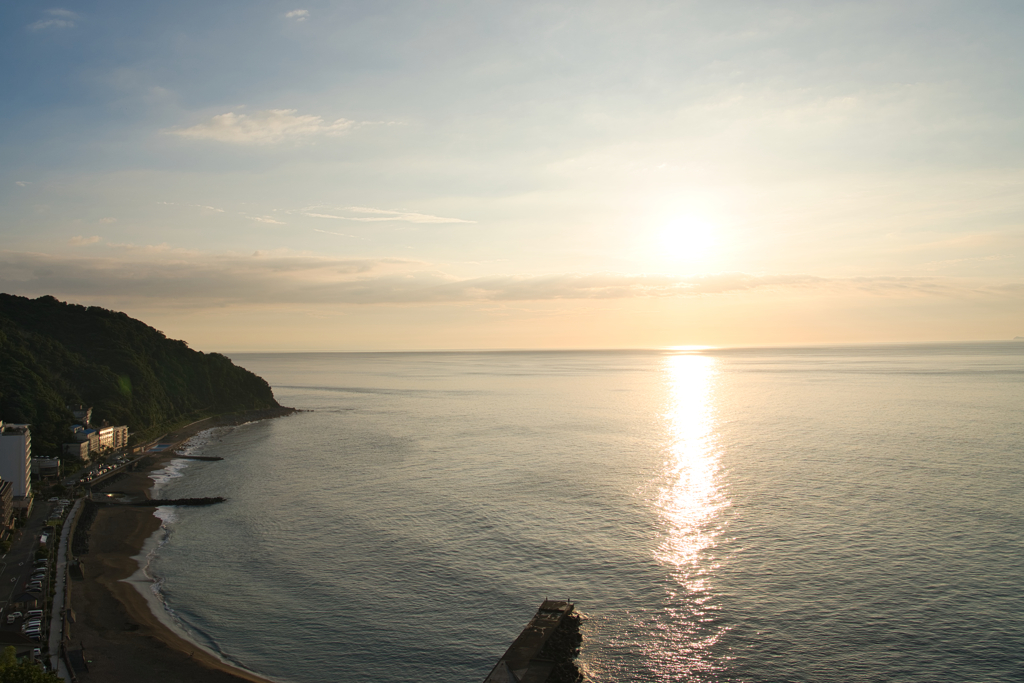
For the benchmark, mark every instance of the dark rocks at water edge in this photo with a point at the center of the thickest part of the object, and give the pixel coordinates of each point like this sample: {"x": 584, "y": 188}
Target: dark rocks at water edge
{"x": 546, "y": 650}
{"x": 118, "y": 500}
{"x": 563, "y": 647}
{"x": 80, "y": 539}
{"x": 180, "y": 501}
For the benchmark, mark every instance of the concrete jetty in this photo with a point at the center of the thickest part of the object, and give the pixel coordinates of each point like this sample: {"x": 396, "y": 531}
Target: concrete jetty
{"x": 545, "y": 651}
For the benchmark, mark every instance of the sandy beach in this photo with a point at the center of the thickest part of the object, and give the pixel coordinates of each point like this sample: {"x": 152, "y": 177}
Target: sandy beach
{"x": 120, "y": 637}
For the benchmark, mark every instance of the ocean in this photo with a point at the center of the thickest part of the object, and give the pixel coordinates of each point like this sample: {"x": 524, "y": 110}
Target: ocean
{"x": 842, "y": 513}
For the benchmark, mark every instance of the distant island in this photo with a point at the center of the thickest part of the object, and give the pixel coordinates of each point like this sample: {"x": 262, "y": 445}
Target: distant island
{"x": 53, "y": 354}
{"x": 1018, "y": 339}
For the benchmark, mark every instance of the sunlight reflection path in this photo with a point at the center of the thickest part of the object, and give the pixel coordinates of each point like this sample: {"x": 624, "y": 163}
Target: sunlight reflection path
{"x": 689, "y": 501}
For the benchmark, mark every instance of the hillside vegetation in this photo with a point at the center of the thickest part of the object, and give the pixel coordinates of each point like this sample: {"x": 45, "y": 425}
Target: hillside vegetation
{"x": 53, "y": 354}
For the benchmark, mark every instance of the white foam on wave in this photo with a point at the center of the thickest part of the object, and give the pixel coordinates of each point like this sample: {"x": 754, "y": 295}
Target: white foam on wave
{"x": 144, "y": 580}
{"x": 174, "y": 469}
{"x": 149, "y": 585}
{"x": 167, "y": 515}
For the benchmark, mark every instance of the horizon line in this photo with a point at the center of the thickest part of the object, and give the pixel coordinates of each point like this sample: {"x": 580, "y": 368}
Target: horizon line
{"x": 683, "y": 348}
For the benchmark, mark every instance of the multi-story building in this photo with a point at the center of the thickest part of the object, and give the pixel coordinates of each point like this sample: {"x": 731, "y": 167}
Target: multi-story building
{"x": 113, "y": 438}
{"x": 106, "y": 435}
{"x": 120, "y": 437}
{"x": 78, "y": 450}
{"x": 91, "y": 437}
{"x": 16, "y": 461}
{"x": 98, "y": 440}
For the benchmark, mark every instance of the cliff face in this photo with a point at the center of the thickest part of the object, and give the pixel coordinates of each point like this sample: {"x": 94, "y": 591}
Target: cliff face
{"x": 53, "y": 354}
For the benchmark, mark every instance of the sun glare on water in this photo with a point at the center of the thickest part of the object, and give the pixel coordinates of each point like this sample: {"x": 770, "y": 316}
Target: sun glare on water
{"x": 689, "y": 503}
{"x": 691, "y": 497}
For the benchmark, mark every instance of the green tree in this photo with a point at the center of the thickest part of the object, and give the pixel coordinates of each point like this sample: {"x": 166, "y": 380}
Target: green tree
{"x": 54, "y": 354}
{"x": 24, "y": 671}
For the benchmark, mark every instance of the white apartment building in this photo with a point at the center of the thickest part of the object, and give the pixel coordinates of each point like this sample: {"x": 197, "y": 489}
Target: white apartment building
{"x": 16, "y": 460}
{"x": 102, "y": 438}
{"x": 106, "y": 435}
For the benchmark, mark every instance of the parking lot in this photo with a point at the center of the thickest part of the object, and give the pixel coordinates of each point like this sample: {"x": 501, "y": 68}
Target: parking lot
{"x": 25, "y": 580}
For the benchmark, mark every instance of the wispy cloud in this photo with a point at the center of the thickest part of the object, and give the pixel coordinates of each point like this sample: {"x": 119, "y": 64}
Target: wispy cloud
{"x": 195, "y": 206}
{"x": 59, "y": 18}
{"x": 22, "y": 183}
{"x": 263, "y": 127}
{"x": 298, "y": 14}
{"x": 205, "y": 207}
{"x": 81, "y": 240}
{"x": 178, "y": 277}
{"x": 383, "y": 215}
{"x": 331, "y": 232}
{"x": 368, "y": 215}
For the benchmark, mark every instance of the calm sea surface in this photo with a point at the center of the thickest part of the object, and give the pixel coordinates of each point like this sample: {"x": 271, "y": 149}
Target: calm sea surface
{"x": 813, "y": 514}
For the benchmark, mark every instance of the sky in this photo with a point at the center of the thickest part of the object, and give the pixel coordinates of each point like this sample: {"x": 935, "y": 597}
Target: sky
{"x": 327, "y": 176}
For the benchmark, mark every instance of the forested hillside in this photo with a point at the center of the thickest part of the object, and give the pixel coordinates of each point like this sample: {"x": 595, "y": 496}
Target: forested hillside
{"x": 53, "y": 354}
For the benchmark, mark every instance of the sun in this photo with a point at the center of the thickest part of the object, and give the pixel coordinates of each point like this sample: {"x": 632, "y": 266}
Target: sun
{"x": 686, "y": 238}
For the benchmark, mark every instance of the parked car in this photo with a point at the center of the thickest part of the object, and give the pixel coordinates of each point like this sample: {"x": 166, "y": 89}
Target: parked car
{"x": 13, "y": 617}
{"x": 37, "y": 613}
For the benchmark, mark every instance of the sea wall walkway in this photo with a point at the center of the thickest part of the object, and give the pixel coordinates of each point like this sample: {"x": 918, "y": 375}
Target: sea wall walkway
{"x": 57, "y": 614}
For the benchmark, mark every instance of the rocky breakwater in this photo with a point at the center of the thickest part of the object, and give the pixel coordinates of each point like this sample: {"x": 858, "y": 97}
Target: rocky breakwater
{"x": 160, "y": 502}
{"x": 546, "y": 650}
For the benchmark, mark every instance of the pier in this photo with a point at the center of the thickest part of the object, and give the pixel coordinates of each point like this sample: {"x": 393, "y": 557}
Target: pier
{"x": 545, "y": 651}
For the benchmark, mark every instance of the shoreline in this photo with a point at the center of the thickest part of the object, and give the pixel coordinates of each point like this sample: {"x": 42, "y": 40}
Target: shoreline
{"x": 121, "y": 625}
